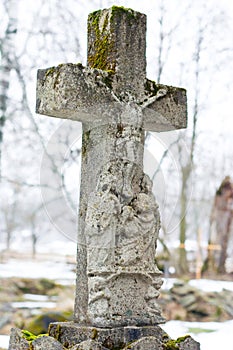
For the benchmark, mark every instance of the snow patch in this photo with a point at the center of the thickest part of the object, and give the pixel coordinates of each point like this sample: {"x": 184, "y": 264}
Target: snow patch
{"x": 4, "y": 341}
{"x": 217, "y": 339}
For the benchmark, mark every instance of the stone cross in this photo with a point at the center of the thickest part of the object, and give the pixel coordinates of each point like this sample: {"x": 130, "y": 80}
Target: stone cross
{"x": 117, "y": 278}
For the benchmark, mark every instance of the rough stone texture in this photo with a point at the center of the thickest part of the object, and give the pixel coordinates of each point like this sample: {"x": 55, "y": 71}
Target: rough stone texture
{"x": 140, "y": 338}
{"x": 17, "y": 342}
{"x": 116, "y": 73}
{"x": 71, "y": 91}
{"x": 166, "y": 113}
{"x": 125, "y": 57}
{"x": 46, "y": 342}
{"x": 189, "y": 343}
{"x": 122, "y": 226}
{"x": 146, "y": 343}
{"x": 118, "y": 216}
{"x": 88, "y": 345}
{"x": 70, "y": 334}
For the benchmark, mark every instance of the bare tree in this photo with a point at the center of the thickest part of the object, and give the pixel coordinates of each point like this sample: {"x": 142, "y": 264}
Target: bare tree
{"x": 9, "y": 220}
{"x": 27, "y": 131}
{"x": 7, "y": 47}
{"x": 192, "y": 71}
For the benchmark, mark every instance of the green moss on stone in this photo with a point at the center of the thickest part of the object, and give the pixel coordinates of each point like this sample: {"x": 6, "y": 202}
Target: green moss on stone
{"x": 131, "y": 14}
{"x": 85, "y": 142}
{"x": 57, "y": 332}
{"x": 50, "y": 71}
{"x": 172, "y": 344}
{"x": 151, "y": 88}
{"x": 101, "y": 54}
{"x": 94, "y": 333}
{"x": 30, "y": 336}
{"x": 103, "y": 44}
{"x": 108, "y": 80}
{"x": 181, "y": 339}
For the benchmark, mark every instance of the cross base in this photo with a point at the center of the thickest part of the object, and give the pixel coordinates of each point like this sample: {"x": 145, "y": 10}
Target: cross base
{"x": 71, "y": 335}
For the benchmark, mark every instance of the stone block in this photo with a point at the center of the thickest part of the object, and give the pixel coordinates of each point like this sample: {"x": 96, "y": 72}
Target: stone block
{"x": 146, "y": 343}
{"x": 189, "y": 344}
{"x": 17, "y": 342}
{"x": 46, "y": 342}
{"x": 88, "y": 345}
{"x": 188, "y": 300}
{"x": 71, "y": 334}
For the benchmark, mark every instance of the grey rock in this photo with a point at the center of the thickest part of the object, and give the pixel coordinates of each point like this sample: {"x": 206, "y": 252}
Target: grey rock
{"x": 146, "y": 343}
{"x": 183, "y": 289}
{"x": 4, "y": 319}
{"x": 88, "y": 345}
{"x": 71, "y": 334}
{"x": 17, "y": 342}
{"x": 46, "y": 342}
{"x": 189, "y": 344}
{"x": 188, "y": 300}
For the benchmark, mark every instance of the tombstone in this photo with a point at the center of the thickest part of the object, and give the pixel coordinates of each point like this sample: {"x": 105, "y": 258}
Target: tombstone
{"x": 118, "y": 281}
{"x": 220, "y": 228}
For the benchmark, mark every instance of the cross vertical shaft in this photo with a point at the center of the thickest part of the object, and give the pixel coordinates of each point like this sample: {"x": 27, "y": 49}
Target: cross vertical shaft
{"x": 123, "y": 58}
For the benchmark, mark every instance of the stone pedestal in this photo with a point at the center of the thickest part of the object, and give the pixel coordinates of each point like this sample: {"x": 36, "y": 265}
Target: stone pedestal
{"x": 73, "y": 336}
{"x": 70, "y": 334}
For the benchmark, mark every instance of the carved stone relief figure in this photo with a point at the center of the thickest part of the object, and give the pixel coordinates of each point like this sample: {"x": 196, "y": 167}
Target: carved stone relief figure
{"x": 123, "y": 224}
{"x": 99, "y": 296}
{"x": 102, "y": 216}
{"x": 123, "y": 220}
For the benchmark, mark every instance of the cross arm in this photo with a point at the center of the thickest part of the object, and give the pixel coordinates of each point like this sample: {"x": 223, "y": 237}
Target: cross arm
{"x": 168, "y": 107}
{"x": 71, "y": 91}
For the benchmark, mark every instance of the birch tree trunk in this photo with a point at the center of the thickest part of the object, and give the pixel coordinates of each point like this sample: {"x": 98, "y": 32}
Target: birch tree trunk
{"x": 7, "y": 48}
{"x": 187, "y": 166}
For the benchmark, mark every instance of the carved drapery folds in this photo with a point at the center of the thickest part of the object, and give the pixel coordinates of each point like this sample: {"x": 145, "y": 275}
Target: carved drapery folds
{"x": 121, "y": 231}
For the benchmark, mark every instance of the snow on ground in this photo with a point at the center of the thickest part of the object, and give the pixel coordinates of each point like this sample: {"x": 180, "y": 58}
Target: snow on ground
{"x": 33, "y": 304}
{"x": 22, "y": 244}
{"x": 4, "y": 341}
{"x": 211, "y": 285}
{"x": 35, "y": 301}
{"x": 202, "y": 284}
{"x": 211, "y": 335}
{"x": 38, "y": 297}
{"x": 59, "y": 271}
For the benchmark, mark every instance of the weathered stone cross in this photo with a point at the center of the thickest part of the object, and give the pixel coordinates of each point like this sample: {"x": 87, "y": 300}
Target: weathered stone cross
{"x": 117, "y": 278}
